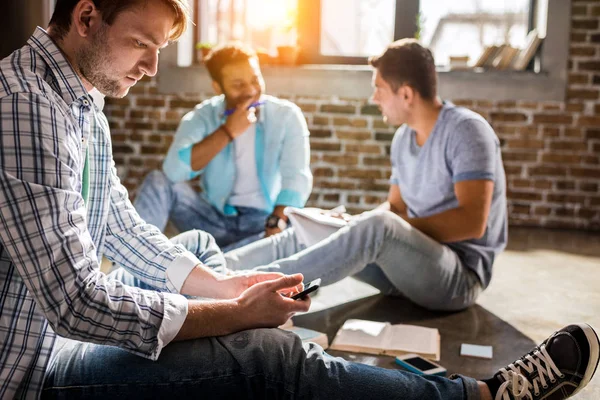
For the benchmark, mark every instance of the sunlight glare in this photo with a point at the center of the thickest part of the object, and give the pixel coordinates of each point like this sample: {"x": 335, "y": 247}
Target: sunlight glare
{"x": 265, "y": 14}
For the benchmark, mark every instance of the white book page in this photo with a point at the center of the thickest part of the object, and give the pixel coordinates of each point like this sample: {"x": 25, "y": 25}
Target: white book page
{"x": 413, "y": 339}
{"x": 362, "y": 333}
{"x": 311, "y": 226}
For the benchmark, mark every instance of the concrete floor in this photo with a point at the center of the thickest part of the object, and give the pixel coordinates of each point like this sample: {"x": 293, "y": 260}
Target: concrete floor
{"x": 544, "y": 280}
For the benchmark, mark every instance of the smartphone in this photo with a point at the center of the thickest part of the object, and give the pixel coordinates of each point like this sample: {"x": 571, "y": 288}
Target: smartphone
{"x": 311, "y": 287}
{"x": 420, "y": 365}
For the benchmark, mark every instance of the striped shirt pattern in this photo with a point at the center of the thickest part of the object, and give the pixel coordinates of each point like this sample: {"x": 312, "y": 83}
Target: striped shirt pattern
{"x": 51, "y": 242}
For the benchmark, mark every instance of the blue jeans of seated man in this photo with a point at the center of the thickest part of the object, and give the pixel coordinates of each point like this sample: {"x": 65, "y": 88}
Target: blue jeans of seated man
{"x": 379, "y": 248}
{"x": 159, "y": 200}
{"x": 252, "y": 364}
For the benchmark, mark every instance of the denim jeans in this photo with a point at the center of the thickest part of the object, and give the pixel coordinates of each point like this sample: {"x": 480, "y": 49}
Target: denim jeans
{"x": 252, "y": 364}
{"x": 379, "y": 248}
{"x": 160, "y": 200}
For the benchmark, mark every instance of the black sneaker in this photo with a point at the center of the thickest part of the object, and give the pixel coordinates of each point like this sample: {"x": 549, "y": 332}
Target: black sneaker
{"x": 558, "y": 368}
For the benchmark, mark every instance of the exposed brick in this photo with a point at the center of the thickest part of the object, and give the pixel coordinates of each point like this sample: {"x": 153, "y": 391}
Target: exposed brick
{"x": 552, "y": 119}
{"x": 542, "y": 210}
{"x": 384, "y": 136}
{"x": 382, "y": 161}
{"x": 588, "y": 187}
{"x": 321, "y": 133}
{"x": 345, "y": 135}
{"x": 585, "y": 172}
{"x": 354, "y": 122}
{"x": 325, "y": 146}
{"x": 123, "y": 102}
{"x": 463, "y": 103}
{"x": 525, "y": 196}
{"x": 579, "y": 10}
{"x": 341, "y": 159}
{"x": 373, "y": 186}
{"x": 584, "y": 24}
{"x": 525, "y": 144}
{"x": 146, "y": 102}
{"x": 546, "y": 170}
{"x": 363, "y": 148}
{"x": 139, "y": 125}
{"x": 370, "y": 109}
{"x": 361, "y": 173}
{"x": 565, "y": 185}
{"x": 180, "y": 103}
{"x": 596, "y": 80}
{"x": 574, "y": 107}
{"x": 380, "y": 124}
{"x": 508, "y": 117}
{"x": 589, "y": 121}
{"x": 521, "y": 208}
{"x": 374, "y": 200}
{"x": 578, "y": 79}
{"x": 353, "y": 199}
{"x": 529, "y": 105}
{"x": 582, "y": 94}
{"x": 595, "y": 38}
{"x": 319, "y": 120}
{"x": 592, "y": 134}
{"x": 331, "y": 197}
{"x": 578, "y": 37}
{"x": 568, "y": 145}
{"x": 122, "y": 149}
{"x": 573, "y": 133}
{"x": 550, "y": 132}
{"x": 584, "y": 51}
{"x": 321, "y": 172}
{"x": 595, "y": 12}
{"x": 337, "y": 108}
{"x": 167, "y": 126}
{"x": 589, "y": 66}
{"x": 336, "y": 185}
{"x": 519, "y": 156}
{"x": 305, "y": 107}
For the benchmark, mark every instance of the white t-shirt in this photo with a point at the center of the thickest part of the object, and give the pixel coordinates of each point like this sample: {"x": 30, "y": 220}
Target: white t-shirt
{"x": 246, "y": 188}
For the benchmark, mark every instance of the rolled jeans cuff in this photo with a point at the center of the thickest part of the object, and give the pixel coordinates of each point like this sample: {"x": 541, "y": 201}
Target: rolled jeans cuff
{"x": 470, "y": 385}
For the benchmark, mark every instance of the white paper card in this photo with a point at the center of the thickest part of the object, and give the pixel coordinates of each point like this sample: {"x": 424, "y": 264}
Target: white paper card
{"x": 473, "y": 350}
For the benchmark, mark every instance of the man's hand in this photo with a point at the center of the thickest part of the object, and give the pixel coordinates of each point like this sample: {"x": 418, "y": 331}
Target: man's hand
{"x": 263, "y": 305}
{"x": 234, "y": 285}
{"x": 272, "y": 231}
{"x": 241, "y": 119}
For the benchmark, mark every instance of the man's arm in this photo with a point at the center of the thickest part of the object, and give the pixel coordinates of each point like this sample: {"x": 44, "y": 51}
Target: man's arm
{"x": 394, "y": 203}
{"x": 237, "y": 123}
{"x": 467, "y": 221}
{"x": 296, "y": 178}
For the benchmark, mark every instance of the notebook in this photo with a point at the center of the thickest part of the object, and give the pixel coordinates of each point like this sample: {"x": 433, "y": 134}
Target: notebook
{"x": 313, "y": 224}
{"x": 383, "y": 338}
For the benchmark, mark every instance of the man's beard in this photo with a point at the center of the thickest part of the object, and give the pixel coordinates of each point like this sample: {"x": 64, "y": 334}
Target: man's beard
{"x": 94, "y": 63}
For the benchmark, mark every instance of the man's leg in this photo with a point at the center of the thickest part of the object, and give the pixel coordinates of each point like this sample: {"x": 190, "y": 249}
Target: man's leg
{"x": 252, "y": 364}
{"x": 155, "y": 199}
{"x": 425, "y": 271}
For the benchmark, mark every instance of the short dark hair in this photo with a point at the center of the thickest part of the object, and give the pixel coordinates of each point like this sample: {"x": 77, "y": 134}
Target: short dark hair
{"x": 61, "y": 18}
{"x": 406, "y": 62}
{"x": 228, "y": 53}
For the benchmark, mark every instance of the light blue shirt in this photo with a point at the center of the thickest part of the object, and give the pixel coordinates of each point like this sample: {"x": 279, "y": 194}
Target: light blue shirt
{"x": 282, "y": 154}
{"x": 462, "y": 146}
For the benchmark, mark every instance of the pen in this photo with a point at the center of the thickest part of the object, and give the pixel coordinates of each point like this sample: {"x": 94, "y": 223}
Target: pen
{"x": 230, "y": 111}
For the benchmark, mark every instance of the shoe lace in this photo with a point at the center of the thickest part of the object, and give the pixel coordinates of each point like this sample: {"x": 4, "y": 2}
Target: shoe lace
{"x": 516, "y": 383}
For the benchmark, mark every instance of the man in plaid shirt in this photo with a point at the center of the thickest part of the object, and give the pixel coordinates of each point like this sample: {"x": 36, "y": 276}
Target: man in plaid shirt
{"x": 69, "y": 331}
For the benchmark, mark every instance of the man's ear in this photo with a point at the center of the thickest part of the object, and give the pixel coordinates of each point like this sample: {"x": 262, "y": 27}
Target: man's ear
{"x": 408, "y": 94}
{"x": 217, "y": 87}
{"x": 86, "y": 18}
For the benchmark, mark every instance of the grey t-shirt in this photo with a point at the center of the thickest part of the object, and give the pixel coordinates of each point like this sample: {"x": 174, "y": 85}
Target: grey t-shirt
{"x": 462, "y": 146}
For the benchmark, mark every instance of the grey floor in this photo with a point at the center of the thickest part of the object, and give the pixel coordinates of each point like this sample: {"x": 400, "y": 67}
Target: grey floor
{"x": 544, "y": 280}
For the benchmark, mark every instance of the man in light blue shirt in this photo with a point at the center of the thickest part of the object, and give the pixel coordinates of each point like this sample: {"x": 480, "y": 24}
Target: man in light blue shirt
{"x": 436, "y": 238}
{"x": 251, "y": 149}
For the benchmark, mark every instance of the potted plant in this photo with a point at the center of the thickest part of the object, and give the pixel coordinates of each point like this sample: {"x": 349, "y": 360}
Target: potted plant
{"x": 202, "y": 50}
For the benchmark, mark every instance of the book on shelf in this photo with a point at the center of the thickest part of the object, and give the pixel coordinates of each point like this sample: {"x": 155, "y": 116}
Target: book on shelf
{"x": 383, "y": 338}
{"x": 532, "y": 44}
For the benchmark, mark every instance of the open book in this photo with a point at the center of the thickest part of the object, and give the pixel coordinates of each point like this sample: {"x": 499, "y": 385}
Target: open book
{"x": 372, "y": 337}
{"x": 313, "y": 224}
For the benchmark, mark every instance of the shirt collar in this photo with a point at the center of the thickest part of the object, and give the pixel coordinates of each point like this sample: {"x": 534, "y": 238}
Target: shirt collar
{"x": 69, "y": 84}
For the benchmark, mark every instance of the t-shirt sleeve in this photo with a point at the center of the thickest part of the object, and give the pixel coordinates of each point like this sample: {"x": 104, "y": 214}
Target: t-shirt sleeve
{"x": 473, "y": 152}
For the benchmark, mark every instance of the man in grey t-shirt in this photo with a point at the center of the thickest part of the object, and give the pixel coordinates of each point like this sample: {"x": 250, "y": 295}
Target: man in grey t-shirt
{"x": 436, "y": 238}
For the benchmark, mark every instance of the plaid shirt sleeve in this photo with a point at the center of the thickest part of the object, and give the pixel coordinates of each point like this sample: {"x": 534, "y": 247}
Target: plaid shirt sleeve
{"x": 43, "y": 229}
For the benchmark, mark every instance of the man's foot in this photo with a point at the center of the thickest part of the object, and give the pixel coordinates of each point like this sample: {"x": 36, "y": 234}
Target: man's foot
{"x": 558, "y": 368}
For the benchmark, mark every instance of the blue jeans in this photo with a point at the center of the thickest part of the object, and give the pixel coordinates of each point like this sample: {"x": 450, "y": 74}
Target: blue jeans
{"x": 159, "y": 200}
{"x": 379, "y": 248}
{"x": 252, "y": 364}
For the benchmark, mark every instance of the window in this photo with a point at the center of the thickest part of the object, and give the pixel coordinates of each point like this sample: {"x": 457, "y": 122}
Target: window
{"x": 348, "y": 31}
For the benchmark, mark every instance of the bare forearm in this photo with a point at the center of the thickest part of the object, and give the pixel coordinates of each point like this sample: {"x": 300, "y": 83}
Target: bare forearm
{"x": 387, "y": 206}
{"x": 451, "y": 226}
{"x": 211, "y": 318}
{"x": 204, "y": 151}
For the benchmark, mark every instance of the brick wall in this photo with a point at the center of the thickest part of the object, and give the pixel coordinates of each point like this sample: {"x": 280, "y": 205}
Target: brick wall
{"x": 551, "y": 150}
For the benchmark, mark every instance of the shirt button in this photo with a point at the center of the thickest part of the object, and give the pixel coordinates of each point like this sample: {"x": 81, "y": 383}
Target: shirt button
{"x": 86, "y": 103}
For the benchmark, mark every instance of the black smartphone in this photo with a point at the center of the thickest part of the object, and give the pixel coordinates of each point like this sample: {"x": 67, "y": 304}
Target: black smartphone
{"x": 311, "y": 287}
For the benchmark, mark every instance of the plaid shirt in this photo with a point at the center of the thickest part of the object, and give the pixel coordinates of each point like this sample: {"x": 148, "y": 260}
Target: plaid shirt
{"x": 51, "y": 243}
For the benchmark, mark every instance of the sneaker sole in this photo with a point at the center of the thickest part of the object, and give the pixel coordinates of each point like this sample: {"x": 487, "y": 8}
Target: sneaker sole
{"x": 594, "y": 344}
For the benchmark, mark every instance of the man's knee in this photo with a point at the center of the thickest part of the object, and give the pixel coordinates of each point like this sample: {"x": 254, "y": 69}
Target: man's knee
{"x": 380, "y": 219}
{"x": 157, "y": 178}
